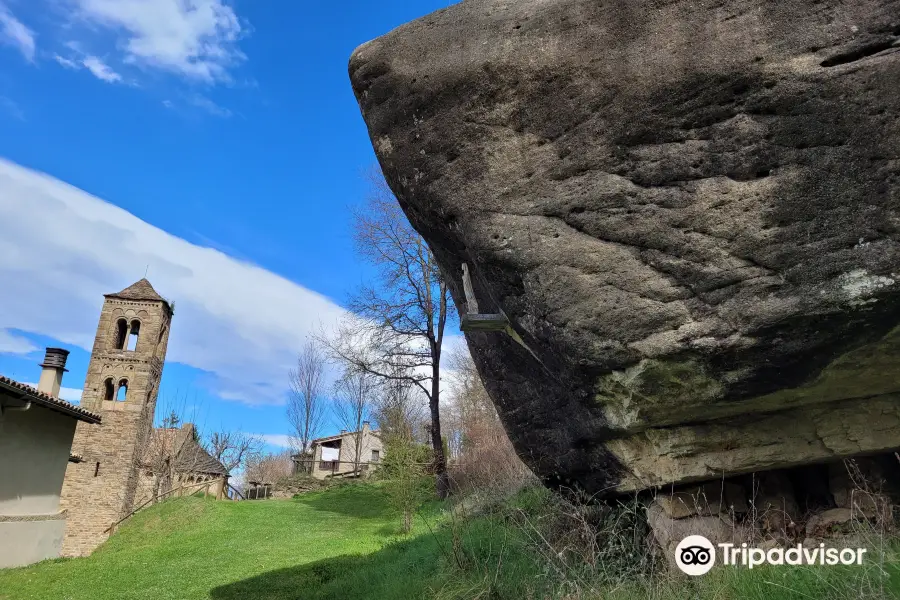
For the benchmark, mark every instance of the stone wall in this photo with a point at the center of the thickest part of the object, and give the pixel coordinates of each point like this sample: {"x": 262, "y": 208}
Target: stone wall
{"x": 101, "y": 490}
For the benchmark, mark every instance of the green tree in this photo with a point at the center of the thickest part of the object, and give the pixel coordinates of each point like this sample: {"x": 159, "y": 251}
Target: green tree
{"x": 406, "y": 471}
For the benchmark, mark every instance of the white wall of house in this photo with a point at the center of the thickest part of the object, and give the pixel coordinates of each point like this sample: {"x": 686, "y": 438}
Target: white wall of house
{"x": 34, "y": 453}
{"x": 347, "y": 454}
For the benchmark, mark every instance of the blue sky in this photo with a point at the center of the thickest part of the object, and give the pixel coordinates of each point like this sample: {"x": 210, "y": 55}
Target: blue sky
{"x": 218, "y": 143}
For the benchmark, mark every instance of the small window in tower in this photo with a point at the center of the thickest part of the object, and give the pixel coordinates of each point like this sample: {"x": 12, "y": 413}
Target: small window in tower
{"x": 121, "y": 332}
{"x": 108, "y": 389}
{"x": 97, "y": 470}
{"x": 133, "y": 335}
{"x": 122, "y": 393}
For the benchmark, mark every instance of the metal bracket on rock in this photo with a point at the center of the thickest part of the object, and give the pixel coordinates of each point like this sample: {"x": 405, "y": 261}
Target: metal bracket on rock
{"x": 487, "y": 322}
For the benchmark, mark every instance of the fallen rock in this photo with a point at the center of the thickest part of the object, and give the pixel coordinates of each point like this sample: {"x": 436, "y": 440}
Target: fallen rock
{"x": 704, "y": 500}
{"x": 830, "y": 523}
{"x": 686, "y": 210}
{"x": 668, "y": 532}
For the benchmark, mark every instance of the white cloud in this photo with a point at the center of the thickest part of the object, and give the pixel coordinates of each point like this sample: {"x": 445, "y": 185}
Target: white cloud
{"x": 196, "y": 39}
{"x": 14, "y": 33}
{"x": 94, "y": 64}
{"x": 276, "y": 439}
{"x": 15, "y": 344}
{"x": 100, "y": 69}
{"x": 209, "y": 106}
{"x": 61, "y": 249}
{"x": 68, "y": 63}
{"x": 72, "y": 395}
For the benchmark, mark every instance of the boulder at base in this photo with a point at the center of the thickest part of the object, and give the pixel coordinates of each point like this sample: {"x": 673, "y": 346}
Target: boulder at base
{"x": 687, "y": 210}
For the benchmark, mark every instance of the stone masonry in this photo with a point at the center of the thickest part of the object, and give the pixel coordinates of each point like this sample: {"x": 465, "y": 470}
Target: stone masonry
{"x": 122, "y": 385}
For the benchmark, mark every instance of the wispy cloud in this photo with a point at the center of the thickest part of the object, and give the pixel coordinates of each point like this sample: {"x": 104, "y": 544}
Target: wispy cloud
{"x": 14, "y": 33}
{"x": 209, "y": 106}
{"x": 94, "y": 64}
{"x": 61, "y": 249}
{"x": 11, "y": 343}
{"x": 196, "y": 39}
{"x": 11, "y": 108}
{"x": 101, "y": 70}
{"x": 66, "y": 62}
{"x": 276, "y": 439}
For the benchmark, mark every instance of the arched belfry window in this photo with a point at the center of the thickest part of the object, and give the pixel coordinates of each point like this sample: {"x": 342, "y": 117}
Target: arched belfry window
{"x": 122, "y": 392}
{"x": 133, "y": 334}
{"x": 108, "y": 389}
{"x": 121, "y": 334}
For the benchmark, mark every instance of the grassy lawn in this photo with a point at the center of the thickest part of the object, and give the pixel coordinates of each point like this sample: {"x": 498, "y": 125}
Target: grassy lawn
{"x": 189, "y": 547}
{"x": 343, "y": 544}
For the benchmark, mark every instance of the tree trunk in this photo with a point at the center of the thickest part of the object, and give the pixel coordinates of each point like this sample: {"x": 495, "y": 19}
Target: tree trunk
{"x": 407, "y": 521}
{"x": 442, "y": 478}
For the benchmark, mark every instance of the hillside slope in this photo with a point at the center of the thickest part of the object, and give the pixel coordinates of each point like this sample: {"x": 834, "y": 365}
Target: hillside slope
{"x": 192, "y": 548}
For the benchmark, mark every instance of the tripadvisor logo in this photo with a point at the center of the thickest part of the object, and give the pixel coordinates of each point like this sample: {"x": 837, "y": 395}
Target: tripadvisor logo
{"x": 696, "y": 555}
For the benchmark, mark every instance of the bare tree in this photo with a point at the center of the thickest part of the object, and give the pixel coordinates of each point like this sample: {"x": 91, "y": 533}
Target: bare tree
{"x": 269, "y": 468}
{"x": 485, "y": 458}
{"x": 353, "y": 395}
{"x": 397, "y": 329}
{"x": 399, "y": 411}
{"x": 233, "y": 448}
{"x": 305, "y": 409}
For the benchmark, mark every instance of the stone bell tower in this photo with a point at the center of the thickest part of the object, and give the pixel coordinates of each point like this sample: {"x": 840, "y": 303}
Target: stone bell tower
{"x": 121, "y": 385}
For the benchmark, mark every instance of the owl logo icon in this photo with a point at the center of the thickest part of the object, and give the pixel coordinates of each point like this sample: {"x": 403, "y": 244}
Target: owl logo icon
{"x": 695, "y": 555}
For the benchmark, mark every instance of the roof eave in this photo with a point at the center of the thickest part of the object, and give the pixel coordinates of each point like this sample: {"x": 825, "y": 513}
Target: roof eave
{"x": 66, "y": 409}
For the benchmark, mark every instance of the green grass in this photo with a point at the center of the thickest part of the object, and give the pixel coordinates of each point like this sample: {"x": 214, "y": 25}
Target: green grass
{"x": 198, "y": 548}
{"x": 343, "y": 544}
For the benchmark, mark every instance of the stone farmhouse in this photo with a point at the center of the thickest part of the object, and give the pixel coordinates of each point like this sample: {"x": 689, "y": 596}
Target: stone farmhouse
{"x": 336, "y": 456}
{"x": 36, "y": 432}
{"x": 175, "y": 463}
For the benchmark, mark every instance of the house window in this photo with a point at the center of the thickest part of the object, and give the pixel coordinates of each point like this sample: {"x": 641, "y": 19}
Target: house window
{"x": 109, "y": 391}
{"x": 122, "y": 393}
{"x": 121, "y": 333}
{"x": 133, "y": 335}
{"x": 376, "y": 455}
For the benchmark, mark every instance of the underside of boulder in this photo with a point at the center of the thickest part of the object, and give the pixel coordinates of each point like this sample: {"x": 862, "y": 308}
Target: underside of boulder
{"x": 687, "y": 211}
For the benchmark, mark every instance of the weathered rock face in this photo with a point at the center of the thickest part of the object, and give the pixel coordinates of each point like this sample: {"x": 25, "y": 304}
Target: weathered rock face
{"x": 688, "y": 210}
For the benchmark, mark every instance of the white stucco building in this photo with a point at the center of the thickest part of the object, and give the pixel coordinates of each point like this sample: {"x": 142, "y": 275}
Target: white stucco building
{"x": 36, "y": 431}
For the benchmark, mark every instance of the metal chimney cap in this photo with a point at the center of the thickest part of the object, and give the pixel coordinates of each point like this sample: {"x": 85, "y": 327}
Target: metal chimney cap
{"x": 55, "y": 358}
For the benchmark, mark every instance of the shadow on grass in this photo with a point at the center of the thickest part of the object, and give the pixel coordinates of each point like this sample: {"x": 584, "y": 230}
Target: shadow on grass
{"x": 399, "y": 570}
{"x": 359, "y": 501}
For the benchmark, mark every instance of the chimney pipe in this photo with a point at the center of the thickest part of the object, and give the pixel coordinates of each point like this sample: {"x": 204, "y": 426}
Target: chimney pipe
{"x": 52, "y": 370}
{"x": 366, "y": 425}
{"x": 343, "y": 431}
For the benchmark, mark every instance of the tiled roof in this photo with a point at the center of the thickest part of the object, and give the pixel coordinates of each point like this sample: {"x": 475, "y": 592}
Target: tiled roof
{"x": 48, "y": 401}
{"x": 193, "y": 458}
{"x": 333, "y": 438}
{"x": 190, "y": 457}
{"x": 142, "y": 290}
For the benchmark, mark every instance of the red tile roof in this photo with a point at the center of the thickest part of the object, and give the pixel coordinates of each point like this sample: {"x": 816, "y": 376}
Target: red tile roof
{"x": 46, "y": 400}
